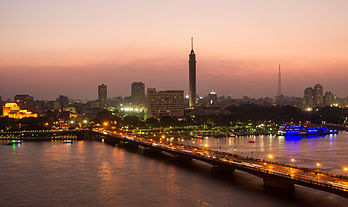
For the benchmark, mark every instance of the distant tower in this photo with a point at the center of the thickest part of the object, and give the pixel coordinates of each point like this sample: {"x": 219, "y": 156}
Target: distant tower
{"x": 279, "y": 93}
{"x": 192, "y": 77}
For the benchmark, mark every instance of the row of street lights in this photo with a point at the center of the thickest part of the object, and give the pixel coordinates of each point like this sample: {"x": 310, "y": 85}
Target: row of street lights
{"x": 345, "y": 169}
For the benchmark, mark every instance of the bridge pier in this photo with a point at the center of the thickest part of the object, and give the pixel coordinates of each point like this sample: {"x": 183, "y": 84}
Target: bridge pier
{"x": 221, "y": 169}
{"x": 180, "y": 158}
{"x": 274, "y": 182}
{"x": 148, "y": 149}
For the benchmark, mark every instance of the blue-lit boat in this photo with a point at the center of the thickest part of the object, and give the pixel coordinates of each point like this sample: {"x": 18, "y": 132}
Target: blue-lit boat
{"x": 295, "y": 130}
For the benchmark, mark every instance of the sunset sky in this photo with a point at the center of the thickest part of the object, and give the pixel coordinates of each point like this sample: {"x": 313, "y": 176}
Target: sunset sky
{"x": 53, "y": 47}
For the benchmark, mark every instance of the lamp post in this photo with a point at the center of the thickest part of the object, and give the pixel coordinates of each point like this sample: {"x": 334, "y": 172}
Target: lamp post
{"x": 292, "y": 162}
{"x": 318, "y": 165}
{"x": 346, "y": 170}
{"x": 270, "y": 156}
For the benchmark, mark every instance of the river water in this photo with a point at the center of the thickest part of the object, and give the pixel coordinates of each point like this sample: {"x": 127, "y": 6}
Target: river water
{"x": 90, "y": 173}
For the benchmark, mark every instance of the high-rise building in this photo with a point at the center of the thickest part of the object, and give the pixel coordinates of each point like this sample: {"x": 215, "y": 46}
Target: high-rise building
{"x": 192, "y": 77}
{"x": 63, "y": 101}
{"x": 138, "y": 93}
{"x": 328, "y": 98}
{"x": 24, "y": 101}
{"x": 318, "y": 95}
{"x": 165, "y": 103}
{"x": 212, "y": 98}
{"x": 308, "y": 98}
{"x": 102, "y": 95}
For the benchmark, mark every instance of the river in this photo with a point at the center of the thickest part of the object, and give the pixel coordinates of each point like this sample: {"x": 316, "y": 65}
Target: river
{"x": 91, "y": 173}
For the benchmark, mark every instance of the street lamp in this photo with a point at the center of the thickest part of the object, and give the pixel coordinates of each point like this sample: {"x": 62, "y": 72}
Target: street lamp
{"x": 346, "y": 170}
{"x": 318, "y": 165}
{"x": 270, "y": 156}
{"x": 292, "y": 161}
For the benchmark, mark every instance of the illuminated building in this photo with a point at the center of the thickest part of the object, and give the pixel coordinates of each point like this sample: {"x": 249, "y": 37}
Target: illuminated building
{"x": 165, "y": 103}
{"x": 138, "y": 93}
{"x": 192, "y": 77}
{"x": 308, "y": 98}
{"x": 318, "y": 95}
{"x": 12, "y": 110}
{"x": 102, "y": 95}
{"x": 212, "y": 98}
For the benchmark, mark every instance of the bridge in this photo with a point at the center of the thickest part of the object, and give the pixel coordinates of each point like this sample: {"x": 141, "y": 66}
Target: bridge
{"x": 274, "y": 174}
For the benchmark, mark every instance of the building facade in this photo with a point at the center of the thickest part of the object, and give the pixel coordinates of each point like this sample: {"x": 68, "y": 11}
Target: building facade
{"x": 12, "y": 110}
{"x": 165, "y": 103}
{"x": 138, "y": 93}
{"x": 102, "y": 95}
{"x": 318, "y": 95}
{"x": 308, "y": 98}
{"x": 63, "y": 101}
{"x": 212, "y": 98}
{"x": 329, "y": 98}
{"x": 24, "y": 101}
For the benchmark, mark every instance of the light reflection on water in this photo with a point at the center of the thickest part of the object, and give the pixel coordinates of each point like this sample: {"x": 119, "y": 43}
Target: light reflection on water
{"x": 97, "y": 174}
{"x": 331, "y": 150}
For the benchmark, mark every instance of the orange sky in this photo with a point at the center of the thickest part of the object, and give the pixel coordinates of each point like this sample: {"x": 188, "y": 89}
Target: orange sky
{"x": 71, "y": 46}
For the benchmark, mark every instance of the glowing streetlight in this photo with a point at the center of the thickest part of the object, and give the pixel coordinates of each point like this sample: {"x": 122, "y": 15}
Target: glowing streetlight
{"x": 346, "y": 170}
{"x": 206, "y": 145}
{"x": 270, "y": 156}
{"x": 105, "y": 124}
{"x": 318, "y": 165}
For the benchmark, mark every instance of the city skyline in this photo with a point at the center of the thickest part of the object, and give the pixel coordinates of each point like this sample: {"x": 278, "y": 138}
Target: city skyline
{"x": 239, "y": 46}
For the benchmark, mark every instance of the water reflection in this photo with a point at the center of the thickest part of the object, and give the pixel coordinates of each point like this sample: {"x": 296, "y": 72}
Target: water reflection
{"x": 96, "y": 174}
{"x": 306, "y": 149}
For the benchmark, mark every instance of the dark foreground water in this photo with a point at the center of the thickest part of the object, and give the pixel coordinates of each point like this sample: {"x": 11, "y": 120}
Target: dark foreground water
{"x": 97, "y": 174}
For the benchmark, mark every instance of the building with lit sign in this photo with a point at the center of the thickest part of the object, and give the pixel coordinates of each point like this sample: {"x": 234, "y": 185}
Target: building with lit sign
{"x": 12, "y": 110}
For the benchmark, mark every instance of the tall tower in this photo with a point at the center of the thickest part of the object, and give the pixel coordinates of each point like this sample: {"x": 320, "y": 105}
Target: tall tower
{"x": 279, "y": 93}
{"x": 192, "y": 77}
